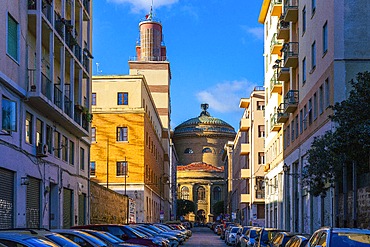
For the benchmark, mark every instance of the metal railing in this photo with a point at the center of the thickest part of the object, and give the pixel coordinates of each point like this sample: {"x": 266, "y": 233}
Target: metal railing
{"x": 67, "y": 106}
{"x": 292, "y": 97}
{"x": 274, "y": 81}
{"x": 46, "y": 86}
{"x": 58, "y": 96}
{"x": 290, "y": 49}
{"x": 151, "y": 58}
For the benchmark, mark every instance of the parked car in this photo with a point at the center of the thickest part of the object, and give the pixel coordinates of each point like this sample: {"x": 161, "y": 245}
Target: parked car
{"x": 226, "y": 231}
{"x": 231, "y": 237}
{"x": 281, "y": 238}
{"x": 81, "y": 238}
{"x": 109, "y": 239}
{"x": 249, "y": 238}
{"x": 298, "y": 241}
{"x": 24, "y": 240}
{"x": 215, "y": 230}
{"x": 124, "y": 232}
{"x": 266, "y": 235}
{"x": 43, "y": 234}
{"x": 169, "y": 240}
{"x": 242, "y": 231}
{"x": 339, "y": 237}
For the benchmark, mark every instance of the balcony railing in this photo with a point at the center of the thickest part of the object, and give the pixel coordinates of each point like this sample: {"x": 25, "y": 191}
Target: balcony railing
{"x": 67, "y": 106}
{"x": 282, "y": 116}
{"x": 283, "y": 29}
{"x": 78, "y": 52}
{"x": 59, "y": 24}
{"x": 260, "y": 194}
{"x": 275, "y": 85}
{"x": 274, "y": 125}
{"x": 46, "y": 86}
{"x": 149, "y": 58}
{"x": 291, "y": 50}
{"x": 276, "y": 7}
{"x": 276, "y": 45}
{"x": 291, "y": 100}
{"x": 58, "y": 96}
{"x": 291, "y": 10}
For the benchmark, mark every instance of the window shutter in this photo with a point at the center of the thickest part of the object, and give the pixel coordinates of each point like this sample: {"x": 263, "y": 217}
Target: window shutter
{"x": 12, "y": 38}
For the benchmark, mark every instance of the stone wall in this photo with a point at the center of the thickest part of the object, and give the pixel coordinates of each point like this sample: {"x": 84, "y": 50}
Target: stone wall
{"x": 107, "y": 206}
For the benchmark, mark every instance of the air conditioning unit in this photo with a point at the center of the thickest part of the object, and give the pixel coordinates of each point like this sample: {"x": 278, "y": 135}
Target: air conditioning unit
{"x": 42, "y": 150}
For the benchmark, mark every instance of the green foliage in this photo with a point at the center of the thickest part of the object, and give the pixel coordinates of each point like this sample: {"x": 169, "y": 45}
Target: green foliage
{"x": 218, "y": 208}
{"x": 184, "y": 207}
{"x": 349, "y": 142}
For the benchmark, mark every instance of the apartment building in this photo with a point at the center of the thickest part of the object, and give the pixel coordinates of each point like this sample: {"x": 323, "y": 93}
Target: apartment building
{"x": 312, "y": 51}
{"x": 45, "y": 87}
{"x": 248, "y": 161}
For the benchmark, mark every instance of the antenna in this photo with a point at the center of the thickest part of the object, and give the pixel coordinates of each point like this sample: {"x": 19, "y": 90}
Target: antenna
{"x": 97, "y": 69}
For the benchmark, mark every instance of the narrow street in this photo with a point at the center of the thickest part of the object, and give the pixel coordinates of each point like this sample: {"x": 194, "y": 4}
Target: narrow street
{"x": 203, "y": 236}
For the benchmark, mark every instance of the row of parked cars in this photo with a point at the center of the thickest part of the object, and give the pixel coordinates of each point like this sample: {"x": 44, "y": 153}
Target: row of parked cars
{"x": 251, "y": 236}
{"x": 99, "y": 235}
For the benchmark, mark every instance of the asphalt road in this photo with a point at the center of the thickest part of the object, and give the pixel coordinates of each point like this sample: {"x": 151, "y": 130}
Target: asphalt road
{"x": 203, "y": 236}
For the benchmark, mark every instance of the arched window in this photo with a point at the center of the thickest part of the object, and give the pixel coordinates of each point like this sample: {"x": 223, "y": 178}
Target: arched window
{"x": 188, "y": 151}
{"x": 207, "y": 150}
{"x": 185, "y": 193}
{"x": 201, "y": 194}
{"x": 217, "y": 193}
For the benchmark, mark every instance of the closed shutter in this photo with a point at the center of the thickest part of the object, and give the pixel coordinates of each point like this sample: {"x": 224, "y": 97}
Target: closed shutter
{"x": 81, "y": 209}
{"x": 6, "y": 198}
{"x": 33, "y": 203}
{"x": 12, "y": 43}
{"x": 67, "y": 208}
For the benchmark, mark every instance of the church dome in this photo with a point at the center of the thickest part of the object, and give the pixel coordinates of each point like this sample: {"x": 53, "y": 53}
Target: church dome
{"x": 204, "y": 124}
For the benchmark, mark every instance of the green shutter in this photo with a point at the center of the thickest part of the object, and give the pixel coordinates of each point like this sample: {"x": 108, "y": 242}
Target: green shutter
{"x": 12, "y": 38}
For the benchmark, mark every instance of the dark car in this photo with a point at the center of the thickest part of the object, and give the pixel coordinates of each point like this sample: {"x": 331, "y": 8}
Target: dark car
{"x": 340, "y": 237}
{"x": 281, "y": 238}
{"x": 109, "y": 239}
{"x": 266, "y": 235}
{"x": 123, "y": 232}
{"x": 298, "y": 241}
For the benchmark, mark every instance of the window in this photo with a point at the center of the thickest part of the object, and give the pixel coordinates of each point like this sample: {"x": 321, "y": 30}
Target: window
{"x": 188, "y": 151}
{"x": 296, "y": 126}
{"x": 121, "y": 168}
{"x": 313, "y": 55}
{"x": 93, "y": 134}
{"x": 185, "y": 193}
{"x": 82, "y": 159}
{"x": 71, "y": 153}
{"x": 305, "y": 117}
{"x": 9, "y": 115}
{"x": 39, "y": 132}
{"x": 325, "y": 38}
{"x": 64, "y": 148}
{"x": 309, "y": 111}
{"x": 303, "y": 20}
{"x": 49, "y": 138}
{"x": 293, "y": 134}
{"x": 217, "y": 193}
{"x": 304, "y": 76}
{"x": 122, "y": 99}
{"x": 207, "y": 150}
{"x": 92, "y": 168}
{"x": 29, "y": 119}
{"x": 260, "y": 105}
{"x": 13, "y": 39}
{"x": 321, "y": 100}
{"x": 261, "y": 131}
{"x": 93, "y": 99}
{"x": 122, "y": 134}
{"x": 315, "y": 106}
{"x": 57, "y": 144}
{"x": 261, "y": 158}
{"x": 327, "y": 93}
{"x": 201, "y": 193}
{"x": 288, "y": 135}
{"x": 313, "y": 6}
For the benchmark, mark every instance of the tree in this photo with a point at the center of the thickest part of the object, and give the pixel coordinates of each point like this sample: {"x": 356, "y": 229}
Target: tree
{"x": 184, "y": 207}
{"x": 218, "y": 208}
{"x": 349, "y": 142}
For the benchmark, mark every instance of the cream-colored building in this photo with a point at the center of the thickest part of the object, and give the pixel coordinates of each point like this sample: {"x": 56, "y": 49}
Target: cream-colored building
{"x": 199, "y": 143}
{"x": 45, "y": 88}
{"x": 247, "y": 200}
{"x": 312, "y": 49}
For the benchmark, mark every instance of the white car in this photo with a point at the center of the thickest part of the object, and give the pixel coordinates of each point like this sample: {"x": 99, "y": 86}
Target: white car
{"x": 231, "y": 238}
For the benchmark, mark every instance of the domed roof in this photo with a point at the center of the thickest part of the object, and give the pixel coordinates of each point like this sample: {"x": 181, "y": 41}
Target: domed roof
{"x": 204, "y": 123}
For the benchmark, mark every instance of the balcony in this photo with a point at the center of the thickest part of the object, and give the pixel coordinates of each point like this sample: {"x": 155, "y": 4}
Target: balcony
{"x": 245, "y": 198}
{"x": 47, "y": 10}
{"x": 291, "y": 101}
{"x": 290, "y": 51}
{"x": 291, "y": 10}
{"x": 274, "y": 125}
{"x": 245, "y": 149}
{"x": 244, "y": 103}
{"x": 276, "y": 45}
{"x": 281, "y": 115}
{"x": 259, "y": 196}
{"x": 86, "y": 4}
{"x": 275, "y": 85}
{"x": 283, "y": 28}
{"x": 245, "y": 124}
{"x": 245, "y": 173}
{"x": 283, "y": 74}
{"x": 276, "y": 7}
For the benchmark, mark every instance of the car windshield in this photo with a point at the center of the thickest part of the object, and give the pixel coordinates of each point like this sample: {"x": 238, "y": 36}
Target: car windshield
{"x": 350, "y": 239}
{"x": 245, "y": 229}
{"x": 137, "y": 233}
{"x": 104, "y": 237}
{"x": 253, "y": 234}
{"x": 93, "y": 239}
{"x": 234, "y": 230}
{"x": 61, "y": 240}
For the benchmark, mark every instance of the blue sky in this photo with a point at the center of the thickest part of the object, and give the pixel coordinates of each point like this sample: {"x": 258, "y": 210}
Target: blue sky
{"x": 215, "y": 49}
